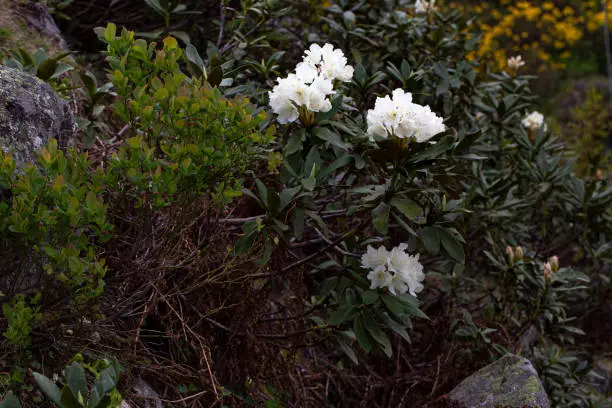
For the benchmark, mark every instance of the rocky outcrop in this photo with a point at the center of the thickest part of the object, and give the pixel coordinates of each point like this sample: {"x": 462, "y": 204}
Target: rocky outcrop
{"x": 28, "y": 25}
{"x": 598, "y": 380}
{"x": 30, "y": 115}
{"x": 510, "y": 382}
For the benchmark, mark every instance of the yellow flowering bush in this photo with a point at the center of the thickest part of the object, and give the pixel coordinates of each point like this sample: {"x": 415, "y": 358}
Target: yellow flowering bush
{"x": 544, "y": 32}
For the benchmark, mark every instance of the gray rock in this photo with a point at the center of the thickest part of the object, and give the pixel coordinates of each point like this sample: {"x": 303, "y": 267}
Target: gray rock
{"x": 28, "y": 25}
{"x": 150, "y": 396}
{"x": 598, "y": 379}
{"x": 30, "y": 115}
{"x": 510, "y": 382}
{"x": 529, "y": 337}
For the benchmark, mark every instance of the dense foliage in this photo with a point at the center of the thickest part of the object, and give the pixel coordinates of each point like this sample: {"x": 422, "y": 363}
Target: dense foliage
{"x": 265, "y": 220}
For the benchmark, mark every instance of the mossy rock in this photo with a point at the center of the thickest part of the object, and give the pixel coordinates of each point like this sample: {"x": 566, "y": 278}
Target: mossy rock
{"x": 27, "y": 24}
{"x": 510, "y": 382}
{"x": 30, "y": 115}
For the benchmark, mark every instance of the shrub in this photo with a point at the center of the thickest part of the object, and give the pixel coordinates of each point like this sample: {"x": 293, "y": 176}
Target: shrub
{"x": 587, "y": 134}
{"x": 20, "y": 318}
{"x": 408, "y": 202}
{"x": 547, "y": 32}
{"x": 51, "y": 219}
{"x": 188, "y": 138}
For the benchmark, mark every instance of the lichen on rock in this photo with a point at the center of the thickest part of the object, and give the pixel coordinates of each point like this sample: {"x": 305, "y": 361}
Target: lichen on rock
{"x": 510, "y": 382}
{"x": 28, "y": 25}
{"x": 30, "y": 115}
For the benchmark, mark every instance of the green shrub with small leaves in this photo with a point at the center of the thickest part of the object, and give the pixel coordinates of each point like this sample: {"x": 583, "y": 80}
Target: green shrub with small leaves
{"x": 20, "y": 317}
{"x": 587, "y": 132}
{"x": 395, "y": 227}
{"x": 187, "y": 138}
{"x": 52, "y": 217}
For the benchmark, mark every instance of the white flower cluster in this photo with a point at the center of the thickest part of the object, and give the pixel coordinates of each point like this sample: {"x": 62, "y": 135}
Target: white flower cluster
{"x": 515, "y": 63}
{"x": 423, "y": 6}
{"x": 311, "y": 84}
{"x": 534, "y": 121}
{"x": 398, "y": 116}
{"x": 395, "y": 269}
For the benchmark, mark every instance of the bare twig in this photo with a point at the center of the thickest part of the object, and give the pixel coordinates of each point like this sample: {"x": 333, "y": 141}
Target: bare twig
{"x": 336, "y": 247}
{"x": 240, "y": 220}
{"x": 319, "y": 252}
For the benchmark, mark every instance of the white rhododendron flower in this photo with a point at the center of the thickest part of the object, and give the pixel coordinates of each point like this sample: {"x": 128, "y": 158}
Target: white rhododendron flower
{"x": 291, "y": 93}
{"x": 515, "y": 62}
{"x": 398, "y": 116}
{"x": 311, "y": 85}
{"x": 396, "y": 270}
{"x": 423, "y": 6}
{"x": 325, "y": 61}
{"x": 534, "y": 121}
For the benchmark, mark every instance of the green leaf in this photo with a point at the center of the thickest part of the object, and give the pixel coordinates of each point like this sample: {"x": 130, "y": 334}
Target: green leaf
{"x": 335, "y": 165}
{"x": 62, "y": 68}
{"x": 262, "y": 190}
{"x": 405, "y": 69}
{"x": 332, "y": 138}
{"x": 431, "y": 240}
{"x": 336, "y": 104}
{"x": 396, "y": 327}
{"x": 337, "y": 317}
{"x": 76, "y": 380}
{"x": 298, "y": 222}
{"x": 380, "y": 218}
{"x": 47, "y": 69}
{"x": 194, "y": 57}
{"x": 287, "y": 195}
{"x": 433, "y": 152}
{"x": 216, "y": 72}
{"x": 90, "y": 82}
{"x": 110, "y": 32}
{"x": 378, "y": 335}
{"x": 294, "y": 144}
{"x": 94, "y": 398}
{"x": 451, "y": 245}
{"x": 348, "y": 350}
{"x": 68, "y": 400}
{"x": 369, "y": 296}
{"x": 411, "y": 305}
{"x": 394, "y": 306}
{"x": 273, "y": 202}
{"x": 309, "y": 183}
{"x": 363, "y": 338}
{"x": 48, "y": 388}
{"x": 108, "y": 379}
{"x": 409, "y": 208}
{"x": 161, "y": 94}
{"x": 10, "y": 401}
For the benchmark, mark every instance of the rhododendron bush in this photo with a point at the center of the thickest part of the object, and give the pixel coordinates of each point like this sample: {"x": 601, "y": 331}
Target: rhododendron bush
{"x": 338, "y": 206}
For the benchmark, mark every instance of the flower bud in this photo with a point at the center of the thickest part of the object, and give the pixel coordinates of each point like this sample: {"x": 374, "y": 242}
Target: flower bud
{"x": 510, "y": 255}
{"x": 554, "y": 263}
{"x": 548, "y": 273}
{"x": 518, "y": 251}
